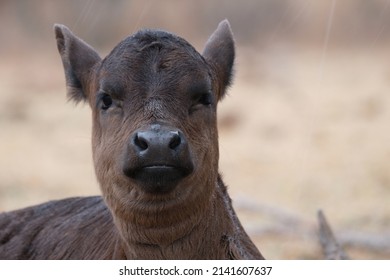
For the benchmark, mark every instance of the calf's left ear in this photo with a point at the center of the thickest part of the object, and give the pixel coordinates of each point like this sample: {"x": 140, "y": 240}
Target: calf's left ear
{"x": 219, "y": 52}
{"x": 78, "y": 59}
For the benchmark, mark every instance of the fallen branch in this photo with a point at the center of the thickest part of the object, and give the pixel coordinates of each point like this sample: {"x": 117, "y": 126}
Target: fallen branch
{"x": 289, "y": 224}
{"x": 330, "y": 247}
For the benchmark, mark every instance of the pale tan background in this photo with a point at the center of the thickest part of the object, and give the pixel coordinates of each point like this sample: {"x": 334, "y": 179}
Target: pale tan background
{"x": 306, "y": 126}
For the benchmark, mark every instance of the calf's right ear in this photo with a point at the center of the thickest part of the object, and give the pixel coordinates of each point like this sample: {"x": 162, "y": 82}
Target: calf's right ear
{"x": 78, "y": 59}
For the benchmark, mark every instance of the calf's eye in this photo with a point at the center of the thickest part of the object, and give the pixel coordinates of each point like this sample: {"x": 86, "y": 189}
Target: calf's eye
{"x": 201, "y": 101}
{"x": 205, "y": 99}
{"x": 106, "y": 102}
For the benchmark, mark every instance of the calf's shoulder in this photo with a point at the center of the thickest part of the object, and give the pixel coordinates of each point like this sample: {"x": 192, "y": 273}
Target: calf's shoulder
{"x": 73, "y": 228}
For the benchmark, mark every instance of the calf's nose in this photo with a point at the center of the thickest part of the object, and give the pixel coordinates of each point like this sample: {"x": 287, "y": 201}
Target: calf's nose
{"x": 152, "y": 141}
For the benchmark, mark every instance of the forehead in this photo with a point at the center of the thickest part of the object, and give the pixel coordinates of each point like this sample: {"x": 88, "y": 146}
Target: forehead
{"x": 155, "y": 57}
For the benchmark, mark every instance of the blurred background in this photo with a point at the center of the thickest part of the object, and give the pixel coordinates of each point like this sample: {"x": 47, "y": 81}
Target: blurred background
{"x": 304, "y": 127}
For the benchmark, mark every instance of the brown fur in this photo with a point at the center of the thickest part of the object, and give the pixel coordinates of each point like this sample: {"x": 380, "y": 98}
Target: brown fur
{"x": 152, "y": 90}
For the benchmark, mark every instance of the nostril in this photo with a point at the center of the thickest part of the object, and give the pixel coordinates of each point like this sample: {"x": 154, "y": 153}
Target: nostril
{"x": 175, "y": 140}
{"x": 140, "y": 142}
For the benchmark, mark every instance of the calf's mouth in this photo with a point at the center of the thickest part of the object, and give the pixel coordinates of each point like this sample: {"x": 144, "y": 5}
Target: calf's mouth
{"x": 158, "y": 178}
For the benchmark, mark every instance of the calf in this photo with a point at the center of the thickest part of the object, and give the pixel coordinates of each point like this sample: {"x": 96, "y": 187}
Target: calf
{"x": 155, "y": 150}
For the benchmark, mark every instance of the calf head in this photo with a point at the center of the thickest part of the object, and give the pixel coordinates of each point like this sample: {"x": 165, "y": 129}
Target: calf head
{"x": 153, "y": 100}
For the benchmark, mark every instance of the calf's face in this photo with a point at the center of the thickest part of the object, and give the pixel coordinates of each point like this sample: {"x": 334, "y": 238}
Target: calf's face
{"x": 155, "y": 109}
{"x": 153, "y": 101}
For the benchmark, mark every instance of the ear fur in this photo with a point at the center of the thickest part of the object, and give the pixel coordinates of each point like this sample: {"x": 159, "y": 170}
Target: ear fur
{"x": 78, "y": 59}
{"x": 219, "y": 52}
